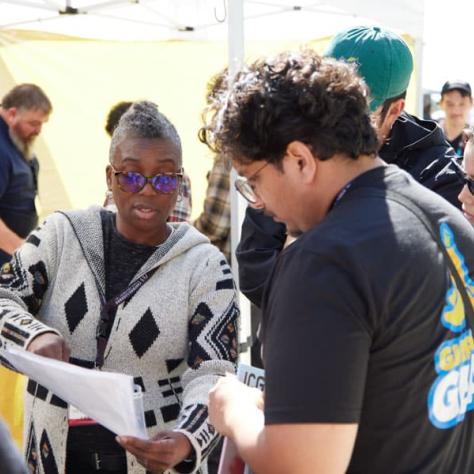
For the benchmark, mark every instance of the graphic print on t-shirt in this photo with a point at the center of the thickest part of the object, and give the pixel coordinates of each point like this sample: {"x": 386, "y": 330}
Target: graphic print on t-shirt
{"x": 452, "y": 394}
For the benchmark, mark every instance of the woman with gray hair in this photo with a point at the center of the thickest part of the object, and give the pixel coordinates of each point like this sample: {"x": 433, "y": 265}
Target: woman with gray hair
{"x": 126, "y": 292}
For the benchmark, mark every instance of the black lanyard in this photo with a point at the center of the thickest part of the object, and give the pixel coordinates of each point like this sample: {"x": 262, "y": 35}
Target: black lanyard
{"x": 108, "y": 308}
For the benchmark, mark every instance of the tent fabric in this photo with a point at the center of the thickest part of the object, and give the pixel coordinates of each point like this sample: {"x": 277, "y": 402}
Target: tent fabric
{"x": 205, "y": 19}
{"x": 84, "y": 78}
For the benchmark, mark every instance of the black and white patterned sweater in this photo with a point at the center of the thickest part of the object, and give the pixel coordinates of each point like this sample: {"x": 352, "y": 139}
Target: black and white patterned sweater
{"x": 176, "y": 335}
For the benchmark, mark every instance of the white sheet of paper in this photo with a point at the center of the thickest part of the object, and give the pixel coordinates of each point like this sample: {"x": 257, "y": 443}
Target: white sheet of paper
{"x": 107, "y": 397}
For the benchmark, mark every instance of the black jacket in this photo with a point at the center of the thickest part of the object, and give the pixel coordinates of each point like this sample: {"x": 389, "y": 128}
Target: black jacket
{"x": 420, "y": 148}
{"x": 417, "y": 146}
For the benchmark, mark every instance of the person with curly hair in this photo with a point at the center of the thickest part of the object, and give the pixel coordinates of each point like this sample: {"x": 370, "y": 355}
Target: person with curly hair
{"x": 360, "y": 326}
{"x": 383, "y": 59}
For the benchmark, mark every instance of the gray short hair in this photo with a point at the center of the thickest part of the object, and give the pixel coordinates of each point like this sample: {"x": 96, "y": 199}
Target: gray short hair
{"x": 144, "y": 120}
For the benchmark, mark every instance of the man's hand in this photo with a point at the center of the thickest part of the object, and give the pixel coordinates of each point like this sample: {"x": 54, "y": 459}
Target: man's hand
{"x": 164, "y": 451}
{"x": 50, "y": 345}
{"x": 227, "y": 399}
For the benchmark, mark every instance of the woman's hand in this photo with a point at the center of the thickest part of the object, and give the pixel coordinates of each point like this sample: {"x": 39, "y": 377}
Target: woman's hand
{"x": 50, "y": 344}
{"x": 164, "y": 451}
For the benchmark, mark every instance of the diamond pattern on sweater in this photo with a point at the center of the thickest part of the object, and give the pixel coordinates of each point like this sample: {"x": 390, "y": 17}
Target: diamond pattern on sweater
{"x": 221, "y": 339}
{"x": 47, "y": 455}
{"x": 170, "y": 412}
{"x": 31, "y": 451}
{"x": 172, "y": 364}
{"x": 76, "y": 308}
{"x": 144, "y": 334}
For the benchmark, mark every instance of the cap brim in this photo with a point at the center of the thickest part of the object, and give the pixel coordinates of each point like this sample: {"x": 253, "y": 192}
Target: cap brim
{"x": 375, "y": 104}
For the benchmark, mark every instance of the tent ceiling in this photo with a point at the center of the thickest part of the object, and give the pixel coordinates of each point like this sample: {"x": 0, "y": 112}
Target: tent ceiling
{"x": 205, "y": 19}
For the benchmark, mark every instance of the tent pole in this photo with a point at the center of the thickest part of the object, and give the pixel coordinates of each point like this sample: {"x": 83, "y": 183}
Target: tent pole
{"x": 419, "y": 75}
{"x": 235, "y": 38}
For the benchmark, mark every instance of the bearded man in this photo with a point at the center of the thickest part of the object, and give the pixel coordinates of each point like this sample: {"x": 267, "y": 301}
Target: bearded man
{"x": 23, "y": 112}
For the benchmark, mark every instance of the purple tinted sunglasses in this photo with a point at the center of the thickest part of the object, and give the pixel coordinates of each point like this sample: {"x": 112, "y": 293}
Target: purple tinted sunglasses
{"x": 133, "y": 182}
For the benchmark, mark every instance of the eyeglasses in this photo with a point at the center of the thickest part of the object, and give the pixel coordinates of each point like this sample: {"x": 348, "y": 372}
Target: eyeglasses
{"x": 133, "y": 182}
{"x": 246, "y": 189}
{"x": 462, "y": 176}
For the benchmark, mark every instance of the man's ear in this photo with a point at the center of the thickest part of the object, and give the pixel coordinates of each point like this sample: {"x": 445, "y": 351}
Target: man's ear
{"x": 10, "y": 115}
{"x": 394, "y": 111}
{"x": 302, "y": 159}
{"x": 108, "y": 176}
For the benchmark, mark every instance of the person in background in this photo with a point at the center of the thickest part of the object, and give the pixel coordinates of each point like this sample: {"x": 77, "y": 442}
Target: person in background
{"x": 214, "y": 220}
{"x": 23, "y": 112}
{"x": 146, "y": 297}
{"x": 456, "y": 102}
{"x": 183, "y": 208}
{"x": 466, "y": 196}
{"x": 384, "y": 61}
{"x": 367, "y": 347}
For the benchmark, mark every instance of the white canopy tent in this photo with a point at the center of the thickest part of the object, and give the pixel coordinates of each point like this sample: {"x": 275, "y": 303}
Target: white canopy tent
{"x": 205, "y": 19}
{"x": 234, "y": 21}
{"x": 209, "y": 19}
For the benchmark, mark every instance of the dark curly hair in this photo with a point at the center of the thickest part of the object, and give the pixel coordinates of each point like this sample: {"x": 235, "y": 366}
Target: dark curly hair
{"x": 114, "y": 115}
{"x": 294, "y": 96}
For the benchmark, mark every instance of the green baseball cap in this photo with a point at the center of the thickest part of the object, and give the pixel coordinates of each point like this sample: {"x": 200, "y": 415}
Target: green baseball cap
{"x": 383, "y": 58}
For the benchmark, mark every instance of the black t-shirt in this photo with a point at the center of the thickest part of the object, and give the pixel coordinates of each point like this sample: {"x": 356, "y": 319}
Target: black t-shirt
{"x": 361, "y": 326}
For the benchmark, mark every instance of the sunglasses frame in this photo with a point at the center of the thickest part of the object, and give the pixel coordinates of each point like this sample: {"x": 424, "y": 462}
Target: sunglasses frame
{"x": 462, "y": 176}
{"x": 149, "y": 179}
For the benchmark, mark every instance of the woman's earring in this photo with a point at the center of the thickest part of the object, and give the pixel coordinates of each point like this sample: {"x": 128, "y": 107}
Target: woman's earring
{"x": 109, "y": 199}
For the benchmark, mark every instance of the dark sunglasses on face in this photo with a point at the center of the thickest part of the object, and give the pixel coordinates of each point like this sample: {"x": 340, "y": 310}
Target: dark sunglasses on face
{"x": 462, "y": 176}
{"x": 133, "y": 182}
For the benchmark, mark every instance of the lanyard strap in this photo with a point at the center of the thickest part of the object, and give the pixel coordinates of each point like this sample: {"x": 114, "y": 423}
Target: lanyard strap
{"x": 415, "y": 209}
{"x": 108, "y": 308}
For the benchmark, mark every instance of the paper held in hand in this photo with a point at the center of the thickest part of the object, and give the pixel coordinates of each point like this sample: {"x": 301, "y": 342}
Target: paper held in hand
{"x": 111, "y": 399}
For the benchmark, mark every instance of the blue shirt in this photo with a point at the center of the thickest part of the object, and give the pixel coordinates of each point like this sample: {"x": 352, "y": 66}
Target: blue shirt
{"x": 18, "y": 188}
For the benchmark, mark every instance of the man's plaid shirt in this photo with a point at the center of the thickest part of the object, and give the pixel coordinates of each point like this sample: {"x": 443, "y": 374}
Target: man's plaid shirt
{"x": 182, "y": 210}
{"x": 214, "y": 221}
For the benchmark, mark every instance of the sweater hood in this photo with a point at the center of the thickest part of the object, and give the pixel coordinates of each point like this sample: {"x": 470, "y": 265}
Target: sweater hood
{"x": 410, "y": 133}
{"x": 87, "y": 226}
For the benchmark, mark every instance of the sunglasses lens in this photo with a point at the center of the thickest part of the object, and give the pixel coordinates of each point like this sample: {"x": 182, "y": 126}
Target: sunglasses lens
{"x": 131, "y": 182}
{"x": 470, "y": 185}
{"x": 165, "y": 183}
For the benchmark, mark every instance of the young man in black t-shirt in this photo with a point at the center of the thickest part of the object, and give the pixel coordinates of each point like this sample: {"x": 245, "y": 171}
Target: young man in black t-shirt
{"x": 366, "y": 344}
